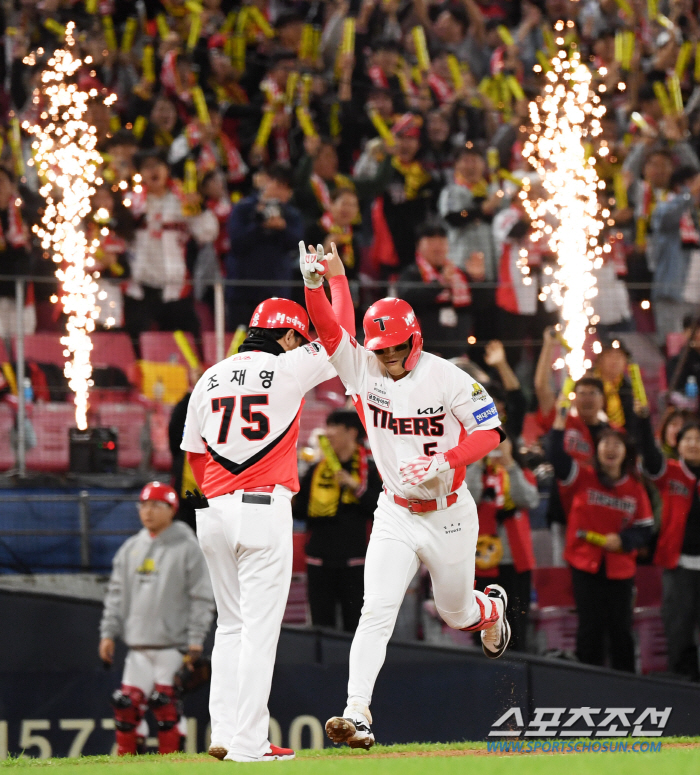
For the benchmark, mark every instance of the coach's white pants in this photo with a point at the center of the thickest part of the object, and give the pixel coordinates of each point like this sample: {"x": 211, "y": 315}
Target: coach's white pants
{"x": 144, "y": 668}
{"x": 248, "y": 549}
{"x": 446, "y": 542}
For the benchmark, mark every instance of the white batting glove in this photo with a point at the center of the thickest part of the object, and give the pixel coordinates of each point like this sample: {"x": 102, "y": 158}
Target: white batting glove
{"x": 312, "y": 268}
{"x": 423, "y": 468}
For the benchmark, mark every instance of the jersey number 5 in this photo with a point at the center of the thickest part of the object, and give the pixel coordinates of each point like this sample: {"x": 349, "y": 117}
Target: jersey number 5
{"x": 228, "y": 404}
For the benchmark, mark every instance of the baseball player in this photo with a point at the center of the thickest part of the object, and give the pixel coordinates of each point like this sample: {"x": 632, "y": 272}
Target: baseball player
{"x": 160, "y": 602}
{"x": 240, "y": 437}
{"x": 426, "y": 420}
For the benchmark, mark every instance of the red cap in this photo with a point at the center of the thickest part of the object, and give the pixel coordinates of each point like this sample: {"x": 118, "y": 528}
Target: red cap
{"x": 389, "y": 322}
{"x": 157, "y": 491}
{"x": 281, "y": 313}
{"x": 407, "y": 125}
{"x": 217, "y": 40}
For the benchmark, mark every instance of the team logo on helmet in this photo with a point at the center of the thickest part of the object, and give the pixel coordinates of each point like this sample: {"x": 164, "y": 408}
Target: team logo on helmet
{"x": 381, "y": 320}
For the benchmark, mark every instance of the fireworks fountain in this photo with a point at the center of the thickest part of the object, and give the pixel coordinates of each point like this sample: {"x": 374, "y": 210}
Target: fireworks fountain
{"x": 64, "y": 152}
{"x": 567, "y": 216}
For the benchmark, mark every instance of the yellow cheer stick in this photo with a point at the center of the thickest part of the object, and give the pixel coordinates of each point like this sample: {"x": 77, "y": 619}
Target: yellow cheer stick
{"x": 237, "y": 340}
{"x": 305, "y": 122}
{"x": 348, "y": 44}
{"x": 229, "y": 23}
{"x": 591, "y": 537}
{"x": 625, "y": 7}
{"x": 201, "y": 105}
{"x": 638, "y": 390}
{"x": 639, "y": 121}
{"x": 290, "y": 90}
{"x": 264, "y": 129}
{"x": 455, "y": 72}
{"x": 162, "y": 24}
{"x": 545, "y": 64}
{"x": 189, "y": 185}
{"x": 421, "y": 47}
{"x": 195, "y": 31}
{"x": 329, "y": 453}
{"x": 261, "y": 22}
{"x": 91, "y": 6}
{"x": 110, "y": 37}
{"x": 505, "y": 35}
{"x": 53, "y": 26}
{"x": 674, "y": 90}
{"x": 620, "y": 192}
{"x": 129, "y": 32}
{"x": 683, "y": 58}
{"x": 662, "y": 97}
{"x": 140, "y": 126}
{"x": 382, "y": 129}
{"x": 306, "y": 42}
{"x": 515, "y": 88}
{"x": 148, "y": 64}
{"x": 696, "y": 72}
{"x": 186, "y": 350}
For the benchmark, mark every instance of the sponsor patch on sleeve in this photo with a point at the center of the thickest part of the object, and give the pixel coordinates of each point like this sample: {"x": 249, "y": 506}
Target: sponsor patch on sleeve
{"x": 485, "y": 414}
{"x": 314, "y": 348}
{"x": 478, "y": 392}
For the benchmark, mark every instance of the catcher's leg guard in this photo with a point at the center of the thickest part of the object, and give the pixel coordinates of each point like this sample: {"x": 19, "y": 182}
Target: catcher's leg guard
{"x": 488, "y": 613}
{"x": 166, "y": 708}
{"x": 128, "y": 703}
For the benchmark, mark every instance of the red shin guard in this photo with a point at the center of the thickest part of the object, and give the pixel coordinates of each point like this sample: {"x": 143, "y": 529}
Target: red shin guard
{"x": 129, "y": 705}
{"x": 166, "y": 708}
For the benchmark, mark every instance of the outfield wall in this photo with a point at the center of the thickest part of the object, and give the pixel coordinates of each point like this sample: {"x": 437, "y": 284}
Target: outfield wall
{"x": 54, "y": 692}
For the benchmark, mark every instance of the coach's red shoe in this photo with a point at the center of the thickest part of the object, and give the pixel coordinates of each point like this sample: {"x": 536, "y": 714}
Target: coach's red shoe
{"x": 275, "y": 753}
{"x": 278, "y": 753}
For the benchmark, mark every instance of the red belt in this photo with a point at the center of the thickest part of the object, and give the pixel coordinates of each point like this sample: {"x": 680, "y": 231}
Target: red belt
{"x": 416, "y": 506}
{"x": 266, "y": 488}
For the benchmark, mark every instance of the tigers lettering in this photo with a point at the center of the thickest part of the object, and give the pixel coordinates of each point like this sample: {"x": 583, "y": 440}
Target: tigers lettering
{"x": 407, "y": 426}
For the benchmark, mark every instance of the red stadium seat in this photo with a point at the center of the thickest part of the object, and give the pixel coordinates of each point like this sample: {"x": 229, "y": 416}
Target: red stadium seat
{"x": 128, "y": 420}
{"x": 112, "y": 349}
{"x": 331, "y": 391}
{"x": 553, "y": 587}
{"x": 209, "y": 346}
{"x": 297, "y": 610}
{"x": 43, "y": 348}
{"x": 313, "y": 416}
{"x": 51, "y": 422}
{"x": 299, "y": 558}
{"x": 7, "y": 422}
{"x": 674, "y": 344}
{"x": 649, "y": 629}
{"x": 160, "y": 346}
{"x": 648, "y": 582}
{"x": 162, "y": 459}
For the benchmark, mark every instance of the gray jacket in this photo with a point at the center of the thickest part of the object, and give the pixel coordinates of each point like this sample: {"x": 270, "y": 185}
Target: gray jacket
{"x": 667, "y": 255}
{"x": 159, "y": 594}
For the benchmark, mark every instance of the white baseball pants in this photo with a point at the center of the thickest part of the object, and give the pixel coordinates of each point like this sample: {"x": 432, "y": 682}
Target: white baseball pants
{"x": 446, "y": 542}
{"x": 248, "y": 549}
{"x": 144, "y": 668}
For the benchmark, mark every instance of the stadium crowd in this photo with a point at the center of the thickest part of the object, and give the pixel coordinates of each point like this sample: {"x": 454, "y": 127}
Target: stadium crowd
{"x": 238, "y": 130}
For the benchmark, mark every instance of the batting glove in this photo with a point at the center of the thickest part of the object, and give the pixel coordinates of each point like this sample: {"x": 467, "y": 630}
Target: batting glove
{"x": 423, "y": 468}
{"x": 312, "y": 268}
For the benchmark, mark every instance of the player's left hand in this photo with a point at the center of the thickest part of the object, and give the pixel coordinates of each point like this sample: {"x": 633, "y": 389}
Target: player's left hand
{"x": 422, "y": 468}
{"x": 310, "y": 263}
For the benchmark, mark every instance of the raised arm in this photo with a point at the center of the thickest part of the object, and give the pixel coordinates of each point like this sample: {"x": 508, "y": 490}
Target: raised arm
{"x": 341, "y": 297}
{"x": 543, "y": 386}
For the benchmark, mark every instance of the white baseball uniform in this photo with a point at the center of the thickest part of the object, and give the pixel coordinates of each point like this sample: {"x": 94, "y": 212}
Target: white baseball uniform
{"x": 244, "y": 416}
{"x": 430, "y": 410}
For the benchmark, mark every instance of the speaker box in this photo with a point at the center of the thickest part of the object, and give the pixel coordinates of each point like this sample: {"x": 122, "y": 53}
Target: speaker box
{"x": 93, "y": 451}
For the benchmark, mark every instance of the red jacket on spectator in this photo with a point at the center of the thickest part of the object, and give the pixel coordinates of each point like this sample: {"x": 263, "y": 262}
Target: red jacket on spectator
{"x": 603, "y": 510}
{"x": 675, "y": 484}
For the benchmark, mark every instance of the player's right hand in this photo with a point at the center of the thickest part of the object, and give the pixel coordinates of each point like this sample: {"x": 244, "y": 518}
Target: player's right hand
{"x": 106, "y": 650}
{"x": 312, "y": 268}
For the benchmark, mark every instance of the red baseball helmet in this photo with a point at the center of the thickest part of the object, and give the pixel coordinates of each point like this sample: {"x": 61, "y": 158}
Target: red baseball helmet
{"x": 281, "y": 313}
{"x": 389, "y": 322}
{"x": 157, "y": 491}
